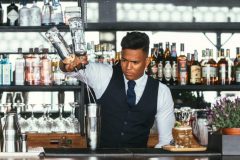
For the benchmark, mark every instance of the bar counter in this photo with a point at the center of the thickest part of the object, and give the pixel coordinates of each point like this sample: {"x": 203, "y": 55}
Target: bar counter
{"x": 132, "y": 154}
{"x": 124, "y": 154}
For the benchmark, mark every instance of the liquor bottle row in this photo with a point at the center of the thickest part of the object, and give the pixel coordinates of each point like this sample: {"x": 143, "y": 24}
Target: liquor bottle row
{"x": 171, "y": 69}
{"x": 50, "y": 14}
{"x": 33, "y": 69}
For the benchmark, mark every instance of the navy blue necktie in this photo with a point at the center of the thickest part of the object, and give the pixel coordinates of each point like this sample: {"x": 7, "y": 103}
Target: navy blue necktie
{"x": 131, "y": 96}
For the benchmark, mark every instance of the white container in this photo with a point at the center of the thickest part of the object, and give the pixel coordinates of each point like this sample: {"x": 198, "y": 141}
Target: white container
{"x": 71, "y": 12}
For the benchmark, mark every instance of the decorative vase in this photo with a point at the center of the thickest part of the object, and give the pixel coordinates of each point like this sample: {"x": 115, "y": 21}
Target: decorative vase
{"x": 231, "y": 131}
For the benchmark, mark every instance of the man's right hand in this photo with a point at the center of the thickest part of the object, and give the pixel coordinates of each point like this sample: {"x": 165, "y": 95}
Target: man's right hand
{"x": 78, "y": 62}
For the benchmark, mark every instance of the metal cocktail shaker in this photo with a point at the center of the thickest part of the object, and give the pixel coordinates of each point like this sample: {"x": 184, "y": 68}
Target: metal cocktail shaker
{"x": 93, "y": 125}
{"x": 11, "y": 132}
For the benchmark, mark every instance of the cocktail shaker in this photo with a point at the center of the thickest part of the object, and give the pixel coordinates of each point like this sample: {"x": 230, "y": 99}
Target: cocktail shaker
{"x": 11, "y": 132}
{"x": 93, "y": 125}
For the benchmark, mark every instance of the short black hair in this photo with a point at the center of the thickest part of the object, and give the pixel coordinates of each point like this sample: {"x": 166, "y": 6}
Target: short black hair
{"x": 136, "y": 40}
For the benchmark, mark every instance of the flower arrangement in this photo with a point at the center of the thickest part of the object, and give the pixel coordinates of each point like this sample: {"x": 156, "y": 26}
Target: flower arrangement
{"x": 225, "y": 113}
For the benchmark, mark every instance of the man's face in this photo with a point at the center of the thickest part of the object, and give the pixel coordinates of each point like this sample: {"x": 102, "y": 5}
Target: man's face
{"x": 133, "y": 63}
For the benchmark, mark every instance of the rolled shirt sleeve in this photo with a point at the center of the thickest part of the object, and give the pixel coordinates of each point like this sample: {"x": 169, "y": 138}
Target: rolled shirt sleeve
{"x": 165, "y": 118}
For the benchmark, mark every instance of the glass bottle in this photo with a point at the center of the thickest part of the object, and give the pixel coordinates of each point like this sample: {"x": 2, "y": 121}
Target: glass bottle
{"x": 6, "y": 70}
{"x": 195, "y": 69}
{"x": 46, "y": 13}
{"x": 35, "y": 15}
{"x": 12, "y": 14}
{"x": 160, "y": 62}
{"x": 36, "y": 67}
{"x": 1, "y": 14}
{"x": 237, "y": 66}
{"x": 19, "y": 69}
{"x": 24, "y": 18}
{"x": 182, "y": 67}
{"x": 58, "y": 76}
{"x": 222, "y": 69}
{"x": 29, "y": 67}
{"x": 167, "y": 67}
{"x": 230, "y": 76}
{"x": 153, "y": 64}
{"x": 213, "y": 69}
{"x": 45, "y": 68}
{"x": 174, "y": 64}
{"x": 56, "y": 14}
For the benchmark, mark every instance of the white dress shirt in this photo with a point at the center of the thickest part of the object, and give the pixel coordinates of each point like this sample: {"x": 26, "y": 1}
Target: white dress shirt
{"x": 98, "y": 77}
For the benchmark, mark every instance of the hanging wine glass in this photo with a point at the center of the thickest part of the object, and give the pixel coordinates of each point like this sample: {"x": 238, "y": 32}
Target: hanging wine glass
{"x": 32, "y": 121}
{"x": 73, "y": 121}
{"x": 59, "y": 124}
{"x": 44, "y": 124}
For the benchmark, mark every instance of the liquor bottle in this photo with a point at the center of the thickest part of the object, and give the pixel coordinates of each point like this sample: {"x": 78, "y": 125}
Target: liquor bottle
{"x": 153, "y": 64}
{"x": 45, "y": 68}
{"x": 188, "y": 66}
{"x": 46, "y": 13}
{"x": 167, "y": 66}
{"x": 57, "y": 75}
{"x": 231, "y": 77}
{"x": 12, "y": 14}
{"x": 56, "y": 14}
{"x": 210, "y": 70}
{"x": 206, "y": 68}
{"x": 6, "y": 70}
{"x": 24, "y": 11}
{"x": 36, "y": 67}
{"x": 237, "y": 66}
{"x": 195, "y": 69}
{"x": 160, "y": 62}
{"x": 174, "y": 64}
{"x": 1, "y": 14}
{"x": 19, "y": 69}
{"x": 182, "y": 67}
{"x": 29, "y": 67}
{"x": 222, "y": 69}
{"x": 35, "y": 15}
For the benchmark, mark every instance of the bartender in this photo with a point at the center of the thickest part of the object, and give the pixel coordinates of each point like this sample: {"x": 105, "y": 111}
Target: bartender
{"x": 130, "y": 99}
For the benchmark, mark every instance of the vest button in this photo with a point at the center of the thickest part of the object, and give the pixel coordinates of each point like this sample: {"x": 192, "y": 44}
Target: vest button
{"x": 122, "y": 134}
{"x": 125, "y": 123}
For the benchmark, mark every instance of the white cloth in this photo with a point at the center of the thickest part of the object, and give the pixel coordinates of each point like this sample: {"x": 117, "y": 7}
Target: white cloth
{"x": 98, "y": 77}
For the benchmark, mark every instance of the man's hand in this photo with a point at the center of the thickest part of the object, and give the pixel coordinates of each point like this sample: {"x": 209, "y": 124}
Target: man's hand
{"x": 78, "y": 62}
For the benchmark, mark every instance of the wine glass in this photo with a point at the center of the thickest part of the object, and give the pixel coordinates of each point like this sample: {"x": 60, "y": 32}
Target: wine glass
{"x": 59, "y": 124}
{"x": 73, "y": 121}
{"x": 44, "y": 123}
{"x": 32, "y": 121}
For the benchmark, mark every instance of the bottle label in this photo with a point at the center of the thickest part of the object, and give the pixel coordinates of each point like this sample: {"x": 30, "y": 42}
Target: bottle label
{"x": 167, "y": 70}
{"x": 6, "y": 74}
{"x": 174, "y": 70}
{"x": 238, "y": 76}
{"x": 160, "y": 70}
{"x": 222, "y": 71}
{"x": 195, "y": 74}
{"x": 19, "y": 73}
{"x": 12, "y": 16}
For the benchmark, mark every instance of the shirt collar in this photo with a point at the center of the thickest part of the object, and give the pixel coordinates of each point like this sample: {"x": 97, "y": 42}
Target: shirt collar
{"x": 138, "y": 81}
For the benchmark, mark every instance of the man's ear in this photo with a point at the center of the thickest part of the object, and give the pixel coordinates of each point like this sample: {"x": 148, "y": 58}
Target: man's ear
{"x": 148, "y": 60}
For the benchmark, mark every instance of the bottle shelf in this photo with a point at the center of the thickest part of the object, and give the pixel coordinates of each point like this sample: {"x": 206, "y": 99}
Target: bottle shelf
{"x": 41, "y": 88}
{"x": 78, "y": 88}
{"x": 205, "y": 87}
{"x": 144, "y": 26}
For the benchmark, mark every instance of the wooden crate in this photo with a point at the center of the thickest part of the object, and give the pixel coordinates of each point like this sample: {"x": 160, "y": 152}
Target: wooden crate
{"x": 56, "y": 140}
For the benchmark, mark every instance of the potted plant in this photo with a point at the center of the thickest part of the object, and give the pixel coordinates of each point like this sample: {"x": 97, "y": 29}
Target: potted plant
{"x": 225, "y": 116}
